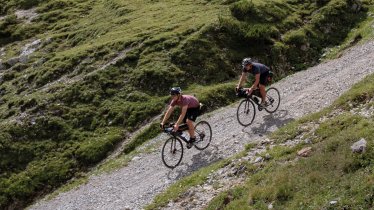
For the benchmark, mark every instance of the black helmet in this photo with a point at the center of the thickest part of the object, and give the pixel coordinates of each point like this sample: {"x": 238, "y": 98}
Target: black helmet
{"x": 246, "y": 61}
{"x": 175, "y": 90}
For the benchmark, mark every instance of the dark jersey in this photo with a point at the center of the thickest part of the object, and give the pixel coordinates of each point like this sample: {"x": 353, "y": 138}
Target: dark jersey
{"x": 258, "y": 68}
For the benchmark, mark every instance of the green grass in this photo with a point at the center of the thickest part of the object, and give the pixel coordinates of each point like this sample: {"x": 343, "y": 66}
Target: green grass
{"x": 331, "y": 173}
{"x": 62, "y": 103}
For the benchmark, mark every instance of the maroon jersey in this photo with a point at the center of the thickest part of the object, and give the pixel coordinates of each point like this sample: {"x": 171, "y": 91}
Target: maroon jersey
{"x": 184, "y": 100}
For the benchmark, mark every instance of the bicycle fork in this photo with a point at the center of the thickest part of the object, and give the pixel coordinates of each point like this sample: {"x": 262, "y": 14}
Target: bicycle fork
{"x": 173, "y": 146}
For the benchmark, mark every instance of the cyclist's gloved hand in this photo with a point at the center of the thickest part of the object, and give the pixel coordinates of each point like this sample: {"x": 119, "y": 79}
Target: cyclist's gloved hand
{"x": 237, "y": 89}
{"x": 162, "y": 126}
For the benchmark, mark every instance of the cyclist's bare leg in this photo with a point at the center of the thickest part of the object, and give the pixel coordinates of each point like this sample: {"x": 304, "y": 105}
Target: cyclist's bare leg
{"x": 263, "y": 93}
{"x": 191, "y": 128}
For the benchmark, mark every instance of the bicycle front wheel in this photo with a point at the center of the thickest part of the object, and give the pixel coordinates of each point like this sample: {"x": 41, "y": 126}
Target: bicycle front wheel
{"x": 172, "y": 152}
{"x": 273, "y": 98}
{"x": 246, "y": 112}
{"x": 203, "y": 133}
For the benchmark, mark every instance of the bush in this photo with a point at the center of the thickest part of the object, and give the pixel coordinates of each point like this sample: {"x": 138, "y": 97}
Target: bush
{"x": 53, "y": 128}
{"x": 295, "y": 37}
{"x": 20, "y": 188}
{"x": 156, "y": 79}
{"x": 94, "y": 150}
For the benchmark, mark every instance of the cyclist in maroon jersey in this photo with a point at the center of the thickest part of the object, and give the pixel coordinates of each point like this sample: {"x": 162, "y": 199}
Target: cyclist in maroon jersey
{"x": 190, "y": 107}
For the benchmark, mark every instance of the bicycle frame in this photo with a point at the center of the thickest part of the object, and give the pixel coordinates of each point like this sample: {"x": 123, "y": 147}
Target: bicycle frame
{"x": 174, "y": 134}
{"x": 178, "y": 134}
{"x": 255, "y": 97}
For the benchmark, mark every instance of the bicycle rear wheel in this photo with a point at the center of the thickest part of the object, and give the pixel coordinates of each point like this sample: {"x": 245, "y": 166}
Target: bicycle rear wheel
{"x": 203, "y": 133}
{"x": 273, "y": 98}
{"x": 172, "y": 152}
{"x": 246, "y": 112}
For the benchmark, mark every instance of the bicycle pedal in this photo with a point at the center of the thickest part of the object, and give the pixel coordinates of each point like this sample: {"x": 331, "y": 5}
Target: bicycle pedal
{"x": 189, "y": 145}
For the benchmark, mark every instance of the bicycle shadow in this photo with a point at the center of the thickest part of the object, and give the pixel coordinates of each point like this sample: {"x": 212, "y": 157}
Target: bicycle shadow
{"x": 201, "y": 159}
{"x": 277, "y": 119}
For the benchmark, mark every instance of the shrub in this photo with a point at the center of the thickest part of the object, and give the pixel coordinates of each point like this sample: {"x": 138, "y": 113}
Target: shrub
{"x": 295, "y": 37}
{"x": 95, "y": 149}
{"x": 41, "y": 128}
{"x": 21, "y": 187}
{"x": 156, "y": 79}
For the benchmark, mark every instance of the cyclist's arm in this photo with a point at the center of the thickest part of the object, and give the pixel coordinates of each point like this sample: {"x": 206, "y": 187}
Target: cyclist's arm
{"x": 181, "y": 116}
{"x": 242, "y": 79}
{"x": 257, "y": 81}
{"x": 167, "y": 114}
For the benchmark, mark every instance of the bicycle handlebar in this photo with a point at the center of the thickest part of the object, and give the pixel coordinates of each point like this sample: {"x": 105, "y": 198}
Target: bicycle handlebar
{"x": 168, "y": 128}
{"x": 243, "y": 93}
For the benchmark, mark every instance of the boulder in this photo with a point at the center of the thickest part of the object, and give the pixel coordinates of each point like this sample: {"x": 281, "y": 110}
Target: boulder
{"x": 359, "y": 146}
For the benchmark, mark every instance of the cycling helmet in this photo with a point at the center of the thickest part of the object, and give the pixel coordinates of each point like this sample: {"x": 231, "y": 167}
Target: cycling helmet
{"x": 246, "y": 61}
{"x": 175, "y": 91}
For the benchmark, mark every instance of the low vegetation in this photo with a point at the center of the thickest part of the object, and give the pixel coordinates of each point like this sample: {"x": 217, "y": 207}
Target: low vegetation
{"x": 102, "y": 69}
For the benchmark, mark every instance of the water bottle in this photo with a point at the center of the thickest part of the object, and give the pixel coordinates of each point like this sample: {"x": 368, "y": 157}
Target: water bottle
{"x": 184, "y": 136}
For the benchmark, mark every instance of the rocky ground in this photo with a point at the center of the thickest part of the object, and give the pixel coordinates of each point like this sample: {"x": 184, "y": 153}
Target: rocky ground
{"x": 135, "y": 186}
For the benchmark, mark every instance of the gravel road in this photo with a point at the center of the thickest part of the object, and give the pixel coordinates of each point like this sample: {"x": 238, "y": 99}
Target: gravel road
{"x": 135, "y": 186}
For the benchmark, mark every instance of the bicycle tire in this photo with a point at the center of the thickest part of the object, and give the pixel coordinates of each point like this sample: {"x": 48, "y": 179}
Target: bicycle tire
{"x": 247, "y": 105}
{"x": 173, "y": 147}
{"x": 203, "y": 133}
{"x": 274, "y": 98}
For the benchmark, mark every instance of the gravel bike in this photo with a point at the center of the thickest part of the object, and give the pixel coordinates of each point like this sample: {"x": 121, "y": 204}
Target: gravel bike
{"x": 246, "y": 111}
{"x": 172, "y": 151}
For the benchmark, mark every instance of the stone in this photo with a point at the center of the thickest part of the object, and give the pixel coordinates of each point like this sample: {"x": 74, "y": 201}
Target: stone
{"x": 305, "y": 152}
{"x": 267, "y": 156}
{"x": 13, "y": 61}
{"x": 23, "y": 59}
{"x": 2, "y": 67}
{"x": 333, "y": 202}
{"x": 259, "y": 159}
{"x": 30, "y": 48}
{"x": 359, "y": 146}
{"x": 308, "y": 141}
{"x": 136, "y": 158}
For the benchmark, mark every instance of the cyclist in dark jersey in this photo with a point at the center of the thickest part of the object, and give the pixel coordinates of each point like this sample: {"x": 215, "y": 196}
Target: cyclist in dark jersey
{"x": 261, "y": 73}
{"x": 190, "y": 107}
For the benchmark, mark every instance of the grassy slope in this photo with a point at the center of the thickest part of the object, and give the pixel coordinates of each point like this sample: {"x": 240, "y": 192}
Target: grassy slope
{"x": 62, "y": 112}
{"x": 74, "y": 123}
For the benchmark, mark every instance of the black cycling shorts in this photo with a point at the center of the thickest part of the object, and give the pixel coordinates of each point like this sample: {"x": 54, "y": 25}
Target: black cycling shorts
{"x": 191, "y": 114}
{"x": 264, "y": 78}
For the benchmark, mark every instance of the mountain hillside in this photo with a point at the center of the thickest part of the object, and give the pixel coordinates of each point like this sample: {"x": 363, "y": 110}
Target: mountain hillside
{"x": 79, "y": 76}
{"x": 145, "y": 183}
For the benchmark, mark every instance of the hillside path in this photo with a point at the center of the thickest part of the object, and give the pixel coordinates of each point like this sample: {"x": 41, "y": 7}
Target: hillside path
{"x": 135, "y": 186}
